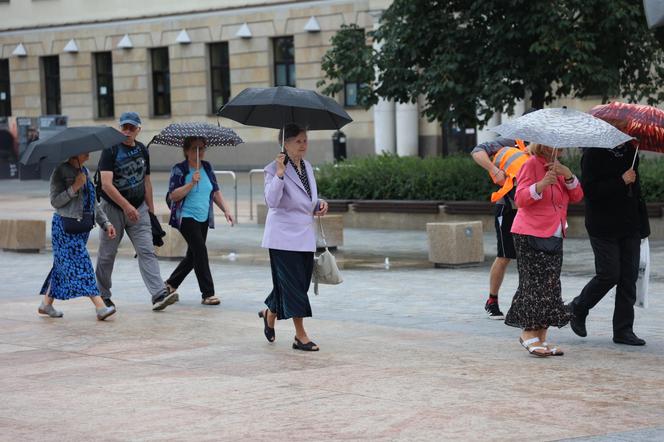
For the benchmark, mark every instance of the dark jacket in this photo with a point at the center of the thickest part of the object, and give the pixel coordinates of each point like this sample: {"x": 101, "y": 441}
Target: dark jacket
{"x": 613, "y": 209}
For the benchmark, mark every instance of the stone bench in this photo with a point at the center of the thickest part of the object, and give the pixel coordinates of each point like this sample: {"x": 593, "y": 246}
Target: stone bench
{"x": 175, "y": 247}
{"x": 397, "y": 206}
{"x": 22, "y": 235}
{"x": 455, "y": 243}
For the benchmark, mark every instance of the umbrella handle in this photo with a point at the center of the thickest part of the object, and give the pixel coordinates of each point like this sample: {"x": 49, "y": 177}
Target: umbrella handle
{"x": 636, "y": 154}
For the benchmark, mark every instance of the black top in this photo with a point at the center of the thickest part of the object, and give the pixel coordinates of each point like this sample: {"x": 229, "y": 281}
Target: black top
{"x": 129, "y": 165}
{"x": 613, "y": 209}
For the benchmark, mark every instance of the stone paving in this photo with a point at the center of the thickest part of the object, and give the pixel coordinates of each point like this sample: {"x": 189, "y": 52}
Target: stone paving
{"x": 406, "y": 354}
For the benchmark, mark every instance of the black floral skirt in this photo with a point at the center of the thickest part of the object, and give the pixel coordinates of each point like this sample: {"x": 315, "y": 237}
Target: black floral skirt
{"x": 538, "y": 302}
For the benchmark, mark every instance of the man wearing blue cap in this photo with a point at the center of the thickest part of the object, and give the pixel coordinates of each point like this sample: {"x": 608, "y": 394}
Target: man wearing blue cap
{"x": 126, "y": 192}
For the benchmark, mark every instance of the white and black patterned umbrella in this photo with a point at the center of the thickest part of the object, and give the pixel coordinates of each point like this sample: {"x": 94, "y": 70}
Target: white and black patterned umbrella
{"x": 174, "y": 135}
{"x": 562, "y": 127}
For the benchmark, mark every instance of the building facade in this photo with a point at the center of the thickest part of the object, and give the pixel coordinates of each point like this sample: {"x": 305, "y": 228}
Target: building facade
{"x": 180, "y": 61}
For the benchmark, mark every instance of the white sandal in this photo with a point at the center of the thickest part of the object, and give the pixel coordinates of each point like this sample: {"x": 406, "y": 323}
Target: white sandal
{"x": 554, "y": 351}
{"x": 533, "y": 350}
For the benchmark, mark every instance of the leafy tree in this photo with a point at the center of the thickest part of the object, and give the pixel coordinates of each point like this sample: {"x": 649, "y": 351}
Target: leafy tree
{"x": 470, "y": 57}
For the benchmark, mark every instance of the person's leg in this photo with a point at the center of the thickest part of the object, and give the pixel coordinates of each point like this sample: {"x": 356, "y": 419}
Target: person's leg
{"x": 607, "y": 275}
{"x": 108, "y": 249}
{"x": 623, "y": 314}
{"x": 201, "y": 261}
{"x": 140, "y": 234}
{"x": 46, "y": 307}
{"x": 504, "y": 217}
{"x": 497, "y": 274}
{"x": 301, "y": 334}
{"x": 533, "y": 341}
{"x": 187, "y": 264}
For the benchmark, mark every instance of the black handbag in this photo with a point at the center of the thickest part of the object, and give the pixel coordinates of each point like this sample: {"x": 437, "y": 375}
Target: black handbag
{"x": 79, "y": 225}
{"x": 87, "y": 221}
{"x": 551, "y": 245}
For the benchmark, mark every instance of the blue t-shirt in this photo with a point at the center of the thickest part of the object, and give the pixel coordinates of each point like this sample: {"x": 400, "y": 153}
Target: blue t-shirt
{"x": 197, "y": 202}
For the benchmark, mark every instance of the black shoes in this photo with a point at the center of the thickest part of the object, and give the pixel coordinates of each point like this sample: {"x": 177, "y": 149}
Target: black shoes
{"x": 493, "y": 310}
{"x": 108, "y": 302}
{"x": 164, "y": 301}
{"x": 628, "y": 338}
{"x": 267, "y": 330}
{"x": 578, "y": 322}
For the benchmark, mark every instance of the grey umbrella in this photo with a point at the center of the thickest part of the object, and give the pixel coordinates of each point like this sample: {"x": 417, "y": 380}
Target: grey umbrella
{"x": 71, "y": 142}
{"x": 562, "y": 127}
{"x": 654, "y": 12}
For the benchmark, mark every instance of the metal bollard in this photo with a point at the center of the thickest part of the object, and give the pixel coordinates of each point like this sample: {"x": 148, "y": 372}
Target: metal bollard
{"x": 232, "y": 174}
{"x": 252, "y": 172}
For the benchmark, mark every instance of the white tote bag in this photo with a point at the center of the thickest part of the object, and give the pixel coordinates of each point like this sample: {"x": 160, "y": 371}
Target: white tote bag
{"x": 644, "y": 275}
{"x": 326, "y": 270}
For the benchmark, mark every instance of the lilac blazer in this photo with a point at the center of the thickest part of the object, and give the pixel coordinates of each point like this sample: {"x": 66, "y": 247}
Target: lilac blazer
{"x": 290, "y": 217}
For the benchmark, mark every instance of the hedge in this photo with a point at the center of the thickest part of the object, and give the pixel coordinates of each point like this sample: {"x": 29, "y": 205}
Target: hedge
{"x": 453, "y": 178}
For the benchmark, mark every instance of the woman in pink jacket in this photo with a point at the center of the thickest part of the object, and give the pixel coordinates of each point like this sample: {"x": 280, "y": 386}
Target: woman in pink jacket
{"x": 544, "y": 190}
{"x": 292, "y": 200}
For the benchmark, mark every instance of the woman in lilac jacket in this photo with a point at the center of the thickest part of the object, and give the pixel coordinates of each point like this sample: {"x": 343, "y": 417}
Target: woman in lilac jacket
{"x": 292, "y": 200}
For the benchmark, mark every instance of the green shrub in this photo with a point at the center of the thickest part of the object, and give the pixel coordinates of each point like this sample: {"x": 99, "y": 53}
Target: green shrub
{"x": 453, "y": 178}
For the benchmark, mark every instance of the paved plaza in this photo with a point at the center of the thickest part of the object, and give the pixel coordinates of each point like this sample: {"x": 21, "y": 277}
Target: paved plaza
{"x": 407, "y": 352}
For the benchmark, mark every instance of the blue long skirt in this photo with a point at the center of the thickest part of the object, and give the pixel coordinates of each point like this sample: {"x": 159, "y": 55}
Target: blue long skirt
{"x": 72, "y": 274}
{"x": 291, "y": 278}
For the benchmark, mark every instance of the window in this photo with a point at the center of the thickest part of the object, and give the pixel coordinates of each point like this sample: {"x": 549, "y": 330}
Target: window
{"x": 284, "y": 61}
{"x": 104, "y": 75}
{"x": 5, "y": 96}
{"x": 220, "y": 84}
{"x": 351, "y": 89}
{"x": 51, "y": 79}
{"x": 161, "y": 82}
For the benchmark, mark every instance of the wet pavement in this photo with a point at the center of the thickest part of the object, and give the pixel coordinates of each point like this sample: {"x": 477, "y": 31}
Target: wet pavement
{"x": 407, "y": 353}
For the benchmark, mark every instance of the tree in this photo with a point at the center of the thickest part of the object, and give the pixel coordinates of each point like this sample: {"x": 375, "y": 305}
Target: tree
{"x": 473, "y": 58}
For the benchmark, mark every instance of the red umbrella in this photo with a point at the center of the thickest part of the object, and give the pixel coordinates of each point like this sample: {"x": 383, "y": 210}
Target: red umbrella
{"x": 645, "y": 123}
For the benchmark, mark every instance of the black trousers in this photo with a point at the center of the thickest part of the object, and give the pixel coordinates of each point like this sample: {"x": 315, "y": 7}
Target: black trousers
{"x": 616, "y": 264}
{"x": 195, "y": 233}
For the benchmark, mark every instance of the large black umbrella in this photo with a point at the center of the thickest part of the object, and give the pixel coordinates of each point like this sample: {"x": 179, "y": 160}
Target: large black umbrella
{"x": 277, "y": 106}
{"x": 71, "y": 142}
{"x": 174, "y": 135}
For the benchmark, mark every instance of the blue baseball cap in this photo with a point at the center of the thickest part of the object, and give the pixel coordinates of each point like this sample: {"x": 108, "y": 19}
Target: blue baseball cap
{"x": 130, "y": 118}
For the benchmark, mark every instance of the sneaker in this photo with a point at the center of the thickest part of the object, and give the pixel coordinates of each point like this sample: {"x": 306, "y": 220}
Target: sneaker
{"x": 104, "y": 312}
{"x": 170, "y": 290}
{"x": 164, "y": 301}
{"x": 493, "y": 310}
{"x": 108, "y": 302}
{"x": 46, "y": 309}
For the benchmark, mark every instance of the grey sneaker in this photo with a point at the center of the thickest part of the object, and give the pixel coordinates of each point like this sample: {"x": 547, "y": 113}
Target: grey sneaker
{"x": 49, "y": 310}
{"x": 105, "y": 312}
{"x": 164, "y": 301}
{"x": 170, "y": 290}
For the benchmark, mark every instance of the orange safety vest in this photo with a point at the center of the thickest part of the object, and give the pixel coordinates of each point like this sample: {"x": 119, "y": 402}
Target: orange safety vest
{"x": 509, "y": 160}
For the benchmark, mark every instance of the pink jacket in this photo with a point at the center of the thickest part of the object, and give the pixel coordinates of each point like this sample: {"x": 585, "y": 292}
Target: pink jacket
{"x": 290, "y": 216}
{"x": 541, "y": 214}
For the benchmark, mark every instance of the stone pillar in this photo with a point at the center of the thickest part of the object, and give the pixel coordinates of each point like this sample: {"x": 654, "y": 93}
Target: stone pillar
{"x": 407, "y": 122}
{"x": 384, "y": 115}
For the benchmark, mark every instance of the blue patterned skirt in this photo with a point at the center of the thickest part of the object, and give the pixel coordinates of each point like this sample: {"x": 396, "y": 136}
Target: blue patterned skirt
{"x": 291, "y": 277}
{"x": 72, "y": 274}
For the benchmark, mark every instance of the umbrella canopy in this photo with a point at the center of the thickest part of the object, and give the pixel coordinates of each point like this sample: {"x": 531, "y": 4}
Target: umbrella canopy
{"x": 277, "y": 106}
{"x": 645, "y": 123}
{"x": 174, "y": 135}
{"x": 654, "y": 12}
{"x": 71, "y": 142}
{"x": 562, "y": 127}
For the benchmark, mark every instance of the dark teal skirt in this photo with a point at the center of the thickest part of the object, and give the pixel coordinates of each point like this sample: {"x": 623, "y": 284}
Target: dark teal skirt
{"x": 291, "y": 278}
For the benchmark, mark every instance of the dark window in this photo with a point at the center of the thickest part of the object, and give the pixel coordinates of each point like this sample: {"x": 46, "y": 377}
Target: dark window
{"x": 5, "y": 95}
{"x": 51, "y": 71}
{"x": 284, "y": 61}
{"x": 219, "y": 75}
{"x": 161, "y": 82}
{"x": 104, "y": 73}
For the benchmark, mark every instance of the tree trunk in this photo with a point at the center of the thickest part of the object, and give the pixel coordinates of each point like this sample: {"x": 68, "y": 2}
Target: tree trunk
{"x": 537, "y": 99}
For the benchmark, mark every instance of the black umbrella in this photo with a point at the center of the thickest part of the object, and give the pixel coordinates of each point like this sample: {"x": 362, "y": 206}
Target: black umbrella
{"x": 174, "y": 135}
{"x": 71, "y": 142}
{"x": 277, "y": 106}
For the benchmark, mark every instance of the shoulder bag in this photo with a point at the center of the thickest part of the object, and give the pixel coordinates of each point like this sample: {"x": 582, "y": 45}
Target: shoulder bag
{"x": 326, "y": 270}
